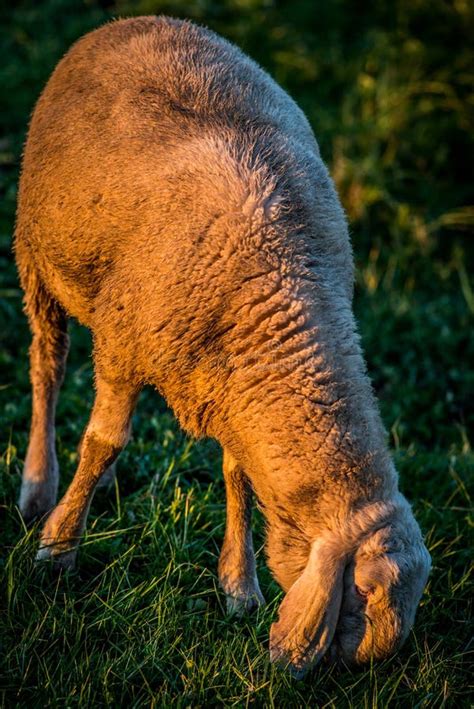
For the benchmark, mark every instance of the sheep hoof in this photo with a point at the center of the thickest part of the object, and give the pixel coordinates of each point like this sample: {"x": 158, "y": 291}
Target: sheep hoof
{"x": 60, "y": 560}
{"x": 240, "y": 605}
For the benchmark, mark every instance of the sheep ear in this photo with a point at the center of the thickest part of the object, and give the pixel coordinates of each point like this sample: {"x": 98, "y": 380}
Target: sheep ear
{"x": 309, "y": 612}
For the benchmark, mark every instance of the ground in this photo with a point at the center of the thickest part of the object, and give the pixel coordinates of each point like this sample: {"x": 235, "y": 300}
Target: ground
{"x": 141, "y": 622}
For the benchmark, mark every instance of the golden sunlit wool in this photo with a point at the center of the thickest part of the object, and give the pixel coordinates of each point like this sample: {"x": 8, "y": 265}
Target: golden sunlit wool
{"x": 173, "y": 199}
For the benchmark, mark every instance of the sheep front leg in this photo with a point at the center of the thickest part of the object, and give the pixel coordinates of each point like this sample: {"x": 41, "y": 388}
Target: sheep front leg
{"x": 237, "y": 568}
{"x": 106, "y": 434}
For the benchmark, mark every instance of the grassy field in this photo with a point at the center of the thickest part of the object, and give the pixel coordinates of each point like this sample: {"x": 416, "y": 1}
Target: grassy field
{"x": 141, "y": 622}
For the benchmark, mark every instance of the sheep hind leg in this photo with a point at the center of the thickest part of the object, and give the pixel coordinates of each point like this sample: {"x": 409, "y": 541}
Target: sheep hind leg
{"x": 105, "y": 436}
{"x": 237, "y": 568}
{"x": 48, "y": 353}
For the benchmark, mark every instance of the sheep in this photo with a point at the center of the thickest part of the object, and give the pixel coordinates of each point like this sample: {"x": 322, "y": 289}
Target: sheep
{"x": 173, "y": 200}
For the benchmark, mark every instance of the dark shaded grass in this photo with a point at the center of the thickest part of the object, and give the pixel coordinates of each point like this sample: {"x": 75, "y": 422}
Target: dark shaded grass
{"x": 141, "y": 621}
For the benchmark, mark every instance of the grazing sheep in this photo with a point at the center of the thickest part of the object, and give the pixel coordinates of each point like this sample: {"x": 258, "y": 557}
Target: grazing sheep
{"x": 174, "y": 201}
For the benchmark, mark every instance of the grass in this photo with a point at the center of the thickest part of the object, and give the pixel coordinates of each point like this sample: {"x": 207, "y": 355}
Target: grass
{"x": 141, "y": 622}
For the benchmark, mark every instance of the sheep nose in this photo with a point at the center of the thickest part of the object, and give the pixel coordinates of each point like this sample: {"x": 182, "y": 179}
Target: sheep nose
{"x": 336, "y": 656}
{"x": 333, "y": 655}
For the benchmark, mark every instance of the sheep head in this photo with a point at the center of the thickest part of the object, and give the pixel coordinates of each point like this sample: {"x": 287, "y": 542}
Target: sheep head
{"x": 354, "y": 600}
